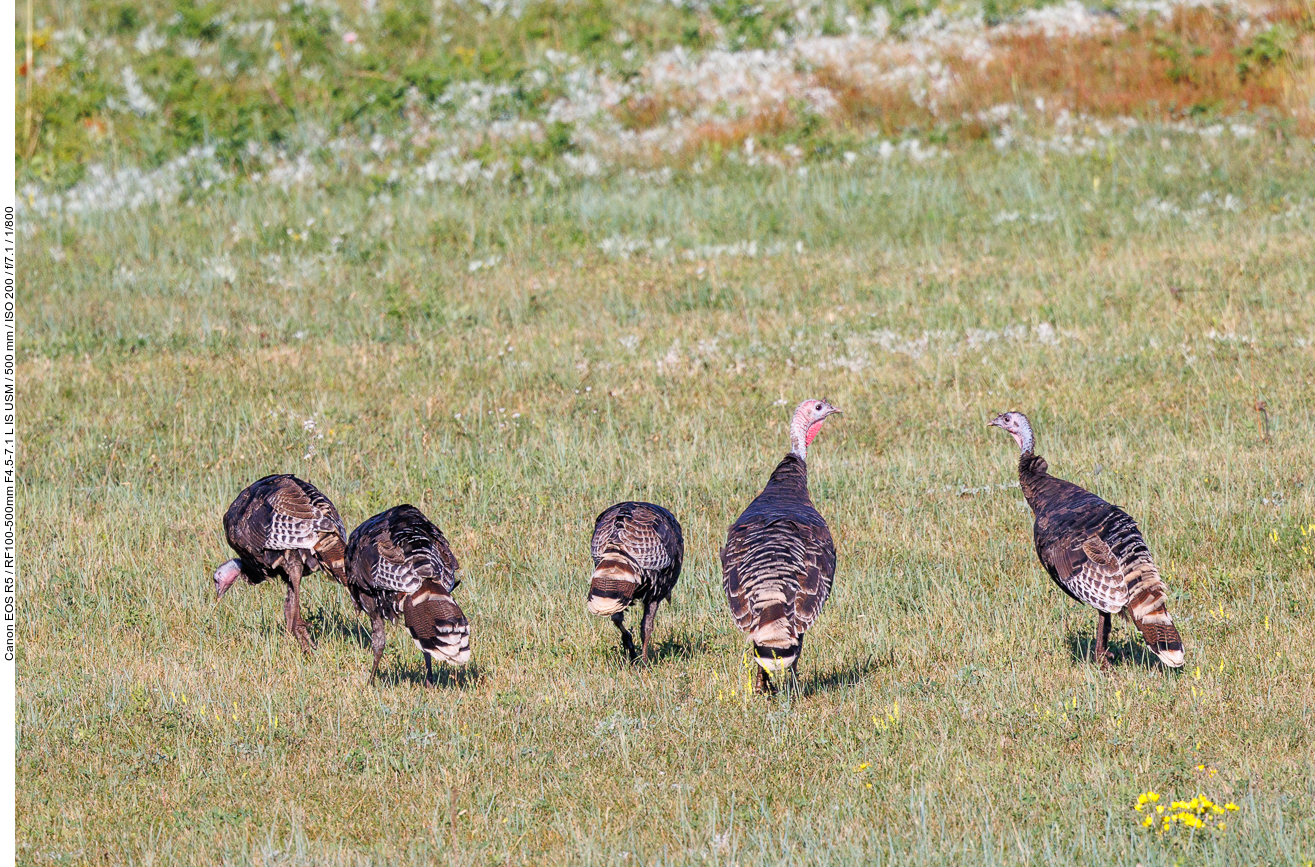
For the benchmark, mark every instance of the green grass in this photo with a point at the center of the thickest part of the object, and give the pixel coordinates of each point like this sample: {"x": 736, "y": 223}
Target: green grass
{"x": 153, "y": 389}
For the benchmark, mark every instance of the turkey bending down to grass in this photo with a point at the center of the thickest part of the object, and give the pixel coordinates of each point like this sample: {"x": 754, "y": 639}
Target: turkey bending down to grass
{"x": 399, "y": 565}
{"x": 637, "y": 550}
{"x": 1093, "y": 551}
{"x": 779, "y": 559}
{"x": 283, "y": 526}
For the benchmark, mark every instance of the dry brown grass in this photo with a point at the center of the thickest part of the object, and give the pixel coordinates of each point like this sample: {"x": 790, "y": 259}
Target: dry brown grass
{"x": 647, "y": 110}
{"x": 1197, "y": 62}
{"x": 1191, "y": 61}
{"x": 771, "y": 121}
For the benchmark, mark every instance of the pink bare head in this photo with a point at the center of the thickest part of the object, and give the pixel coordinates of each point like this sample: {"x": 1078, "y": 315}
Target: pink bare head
{"x": 226, "y": 576}
{"x": 808, "y": 418}
{"x": 1018, "y": 427}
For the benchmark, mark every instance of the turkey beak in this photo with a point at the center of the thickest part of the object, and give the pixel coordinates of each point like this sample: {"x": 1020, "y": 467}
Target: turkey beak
{"x": 831, "y": 410}
{"x": 996, "y": 422}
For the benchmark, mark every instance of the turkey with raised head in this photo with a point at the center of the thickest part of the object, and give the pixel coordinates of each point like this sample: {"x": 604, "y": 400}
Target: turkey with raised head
{"x": 1093, "y": 551}
{"x": 779, "y": 560}
{"x": 283, "y": 526}
{"x": 399, "y": 565}
{"x": 637, "y": 550}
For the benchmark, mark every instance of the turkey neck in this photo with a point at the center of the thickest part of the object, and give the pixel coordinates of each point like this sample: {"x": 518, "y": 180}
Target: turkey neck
{"x": 789, "y": 479}
{"x": 1035, "y": 479}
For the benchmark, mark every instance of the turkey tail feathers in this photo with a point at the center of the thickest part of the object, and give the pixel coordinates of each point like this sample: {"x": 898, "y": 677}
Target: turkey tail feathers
{"x": 613, "y": 585}
{"x": 438, "y": 626}
{"x": 775, "y": 645}
{"x": 332, "y": 553}
{"x": 1146, "y": 607}
{"x": 1151, "y": 616}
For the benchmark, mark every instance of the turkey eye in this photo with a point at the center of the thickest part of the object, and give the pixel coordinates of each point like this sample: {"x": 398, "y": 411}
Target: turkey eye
{"x": 819, "y": 407}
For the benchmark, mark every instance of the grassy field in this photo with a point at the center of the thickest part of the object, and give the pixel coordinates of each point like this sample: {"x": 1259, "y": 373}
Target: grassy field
{"x": 512, "y": 362}
{"x": 514, "y": 262}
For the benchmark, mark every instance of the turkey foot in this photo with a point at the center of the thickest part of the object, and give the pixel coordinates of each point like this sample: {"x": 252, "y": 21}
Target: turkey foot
{"x": 302, "y": 633}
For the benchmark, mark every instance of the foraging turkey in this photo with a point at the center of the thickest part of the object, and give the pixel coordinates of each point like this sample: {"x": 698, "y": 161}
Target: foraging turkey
{"x": 399, "y": 565}
{"x": 283, "y": 526}
{"x": 637, "y": 550}
{"x": 779, "y": 559}
{"x": 1093, "y": 551}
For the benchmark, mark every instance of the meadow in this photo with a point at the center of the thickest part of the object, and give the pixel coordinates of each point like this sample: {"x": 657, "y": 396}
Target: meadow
{"x": 512, "y": 355}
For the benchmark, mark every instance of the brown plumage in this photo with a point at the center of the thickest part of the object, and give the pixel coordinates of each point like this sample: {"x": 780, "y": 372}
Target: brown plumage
{"x": 400, "y": 566}
{"x": 1094, "y": 552}
{"x": 283, "y": 526}
{"x": 779, "y": 560}
{"x": 637, "y": 550}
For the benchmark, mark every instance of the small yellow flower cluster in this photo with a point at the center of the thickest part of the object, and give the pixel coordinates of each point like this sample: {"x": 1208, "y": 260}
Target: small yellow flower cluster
{"x": 1198, "y": 813}
{"x": 892, "y": 717}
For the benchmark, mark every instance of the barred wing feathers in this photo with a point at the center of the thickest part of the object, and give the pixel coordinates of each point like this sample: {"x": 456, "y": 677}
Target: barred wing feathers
{"x": 400, "y": 548}
{"x": 778, "y": 562}
{"x": 284, "y": 513}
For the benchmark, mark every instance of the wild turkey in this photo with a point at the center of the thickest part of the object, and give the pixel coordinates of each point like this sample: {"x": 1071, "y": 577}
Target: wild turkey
{"x": 399, "y": 565}
{"x": 779, "y": 559}
{"x": 1093, "y": 551}
{"x": 637, "y": 550}
{"x": 283, "y": 526}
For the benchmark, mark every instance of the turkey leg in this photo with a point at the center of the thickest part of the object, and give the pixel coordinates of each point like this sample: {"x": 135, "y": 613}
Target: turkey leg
{"x": 626, "y": 640}
{"x": 1103, "y": 654}
{"x": 429, "y": 670}
{"x": 292, "y": 608}
{"x": 646, "y": 626}
{"x": 378, "y": 637}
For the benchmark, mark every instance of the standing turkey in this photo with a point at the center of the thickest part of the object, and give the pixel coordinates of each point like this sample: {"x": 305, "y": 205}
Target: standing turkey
{"x": 283, "y": 526}
{"x": 637, "y": 550}
{"x": 1093, "y": 551}
{"x": 779, "y": 559}
{"x": 399, "y": 565}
